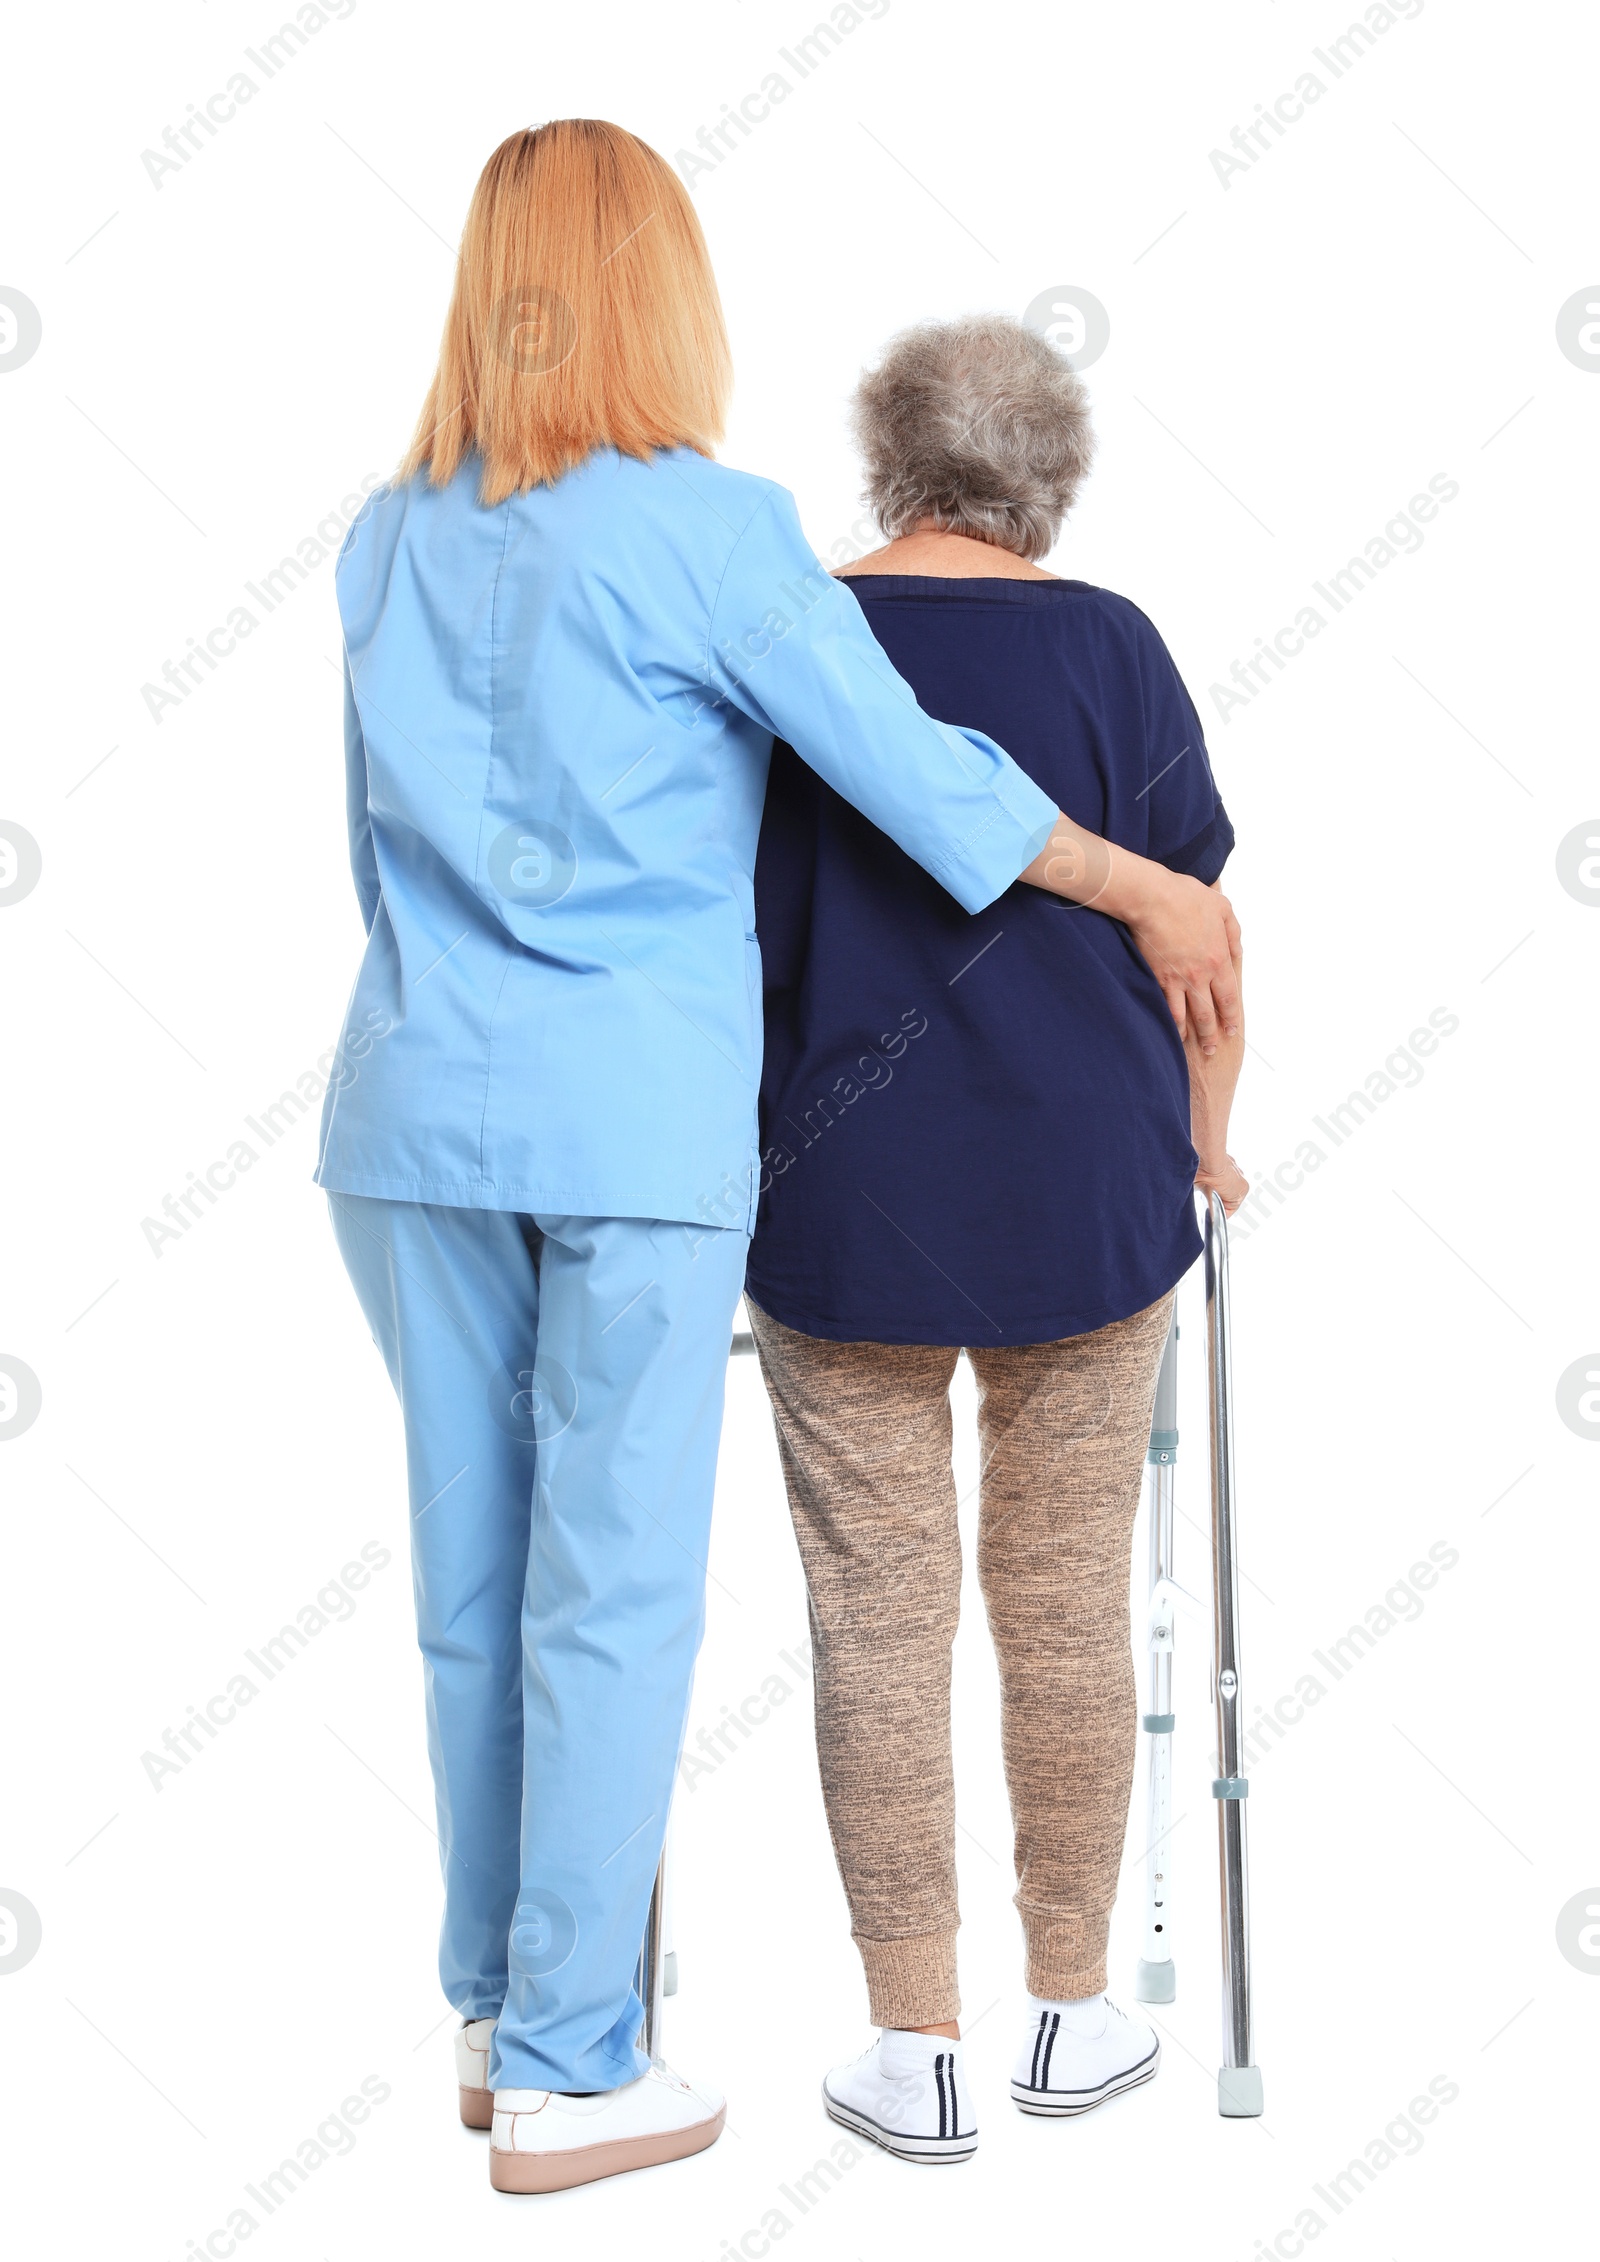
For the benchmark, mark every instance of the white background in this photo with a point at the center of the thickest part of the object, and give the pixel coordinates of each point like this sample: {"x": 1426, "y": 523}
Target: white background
{"x": 1292, "y": 356}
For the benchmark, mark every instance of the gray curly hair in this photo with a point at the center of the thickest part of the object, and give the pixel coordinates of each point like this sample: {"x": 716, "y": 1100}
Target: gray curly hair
{"x": 977, "y": 424}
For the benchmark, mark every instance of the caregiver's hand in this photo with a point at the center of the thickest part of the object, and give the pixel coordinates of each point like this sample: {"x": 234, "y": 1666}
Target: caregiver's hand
{"x": 1186, "y": 932}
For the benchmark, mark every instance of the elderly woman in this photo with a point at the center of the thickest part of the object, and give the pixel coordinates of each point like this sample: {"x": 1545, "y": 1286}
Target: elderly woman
{"x": 979, "y": 1134}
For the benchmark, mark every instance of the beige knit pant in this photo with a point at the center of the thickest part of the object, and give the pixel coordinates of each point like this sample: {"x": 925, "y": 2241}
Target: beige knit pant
{"x": 864, "y": 1431}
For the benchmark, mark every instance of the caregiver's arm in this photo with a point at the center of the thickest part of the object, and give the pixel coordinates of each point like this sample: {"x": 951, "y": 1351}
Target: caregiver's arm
{"x": 790, "y": 647}
{"x": 1186, "y": 932}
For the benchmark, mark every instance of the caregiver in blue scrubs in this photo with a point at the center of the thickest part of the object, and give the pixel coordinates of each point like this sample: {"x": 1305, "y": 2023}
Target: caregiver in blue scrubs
{"x": 570, "y": 638}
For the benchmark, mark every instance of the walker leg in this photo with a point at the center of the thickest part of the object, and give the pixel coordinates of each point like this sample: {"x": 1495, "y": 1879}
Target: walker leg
{"x": 667, "y": 1878}
{"x": 1239, "y": 2079}
{"x": 650, "y": 1974}
{"x": 1156, "y": 1980}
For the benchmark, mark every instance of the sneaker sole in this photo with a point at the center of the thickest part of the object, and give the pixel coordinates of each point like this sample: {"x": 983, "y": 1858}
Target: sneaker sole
{"x": 931, "y": 2151}
{"x": 1067, "y": 2104}
{"x": 477, "y": 2107}
{"x": 525, "y": 2172}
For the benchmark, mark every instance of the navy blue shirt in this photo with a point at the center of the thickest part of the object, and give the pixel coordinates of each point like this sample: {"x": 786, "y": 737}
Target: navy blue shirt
{"x": 975, "y": 1130}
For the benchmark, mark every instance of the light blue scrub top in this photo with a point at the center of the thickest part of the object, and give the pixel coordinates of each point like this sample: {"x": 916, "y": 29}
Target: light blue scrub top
{"x": 558, "y": 718}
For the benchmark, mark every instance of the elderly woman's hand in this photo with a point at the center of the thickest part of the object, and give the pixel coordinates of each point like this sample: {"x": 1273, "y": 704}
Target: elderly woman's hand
{"x": 1213, "y": 1077}
{"x": 1224, "y": 1178}
{"x": 1186, "y": 932}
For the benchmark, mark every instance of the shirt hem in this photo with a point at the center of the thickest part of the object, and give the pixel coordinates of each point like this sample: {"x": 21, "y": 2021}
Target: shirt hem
{"x": 490, "y": 1194}
{"x": 1049, "y": 1327}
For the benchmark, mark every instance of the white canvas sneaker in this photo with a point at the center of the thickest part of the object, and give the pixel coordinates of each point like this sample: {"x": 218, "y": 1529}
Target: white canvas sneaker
{"x": 472, "y": 2072}
{"x": 909, "y": 2094}
{"x": 1076, "y": 2055}
{"x": 542, "y": 2141}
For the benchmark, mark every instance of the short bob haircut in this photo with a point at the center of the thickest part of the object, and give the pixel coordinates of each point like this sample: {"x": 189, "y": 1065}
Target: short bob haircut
{"x": 585, "y": 315}
{"x": 978, "y": 425}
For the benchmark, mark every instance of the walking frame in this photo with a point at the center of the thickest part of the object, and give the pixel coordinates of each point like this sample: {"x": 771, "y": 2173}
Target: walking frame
{"x": 1239, "y": 2078}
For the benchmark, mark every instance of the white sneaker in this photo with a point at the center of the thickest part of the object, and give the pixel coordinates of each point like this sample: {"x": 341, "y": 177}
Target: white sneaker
{"x": 1076, "y": 2055}
{"x": 909, "y": 2094}
{"x": 543, "y": 2141}
{"x": 472, "y": 2072}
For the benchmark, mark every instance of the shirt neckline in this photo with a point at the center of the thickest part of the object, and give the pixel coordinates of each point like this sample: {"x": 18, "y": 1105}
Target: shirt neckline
{"x": 984, "y": 586}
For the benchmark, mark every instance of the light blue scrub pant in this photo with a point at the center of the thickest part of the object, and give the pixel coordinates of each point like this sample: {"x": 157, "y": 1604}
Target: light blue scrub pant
{"x": 561, "y": 1380}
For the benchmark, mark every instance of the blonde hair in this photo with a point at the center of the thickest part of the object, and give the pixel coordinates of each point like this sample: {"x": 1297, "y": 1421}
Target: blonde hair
{"x": 585, "y": 315}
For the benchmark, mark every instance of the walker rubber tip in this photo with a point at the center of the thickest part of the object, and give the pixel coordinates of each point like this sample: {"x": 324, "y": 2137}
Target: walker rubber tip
{"x": 1156, "y": 1983}
{"x": 1239, "y": 2093}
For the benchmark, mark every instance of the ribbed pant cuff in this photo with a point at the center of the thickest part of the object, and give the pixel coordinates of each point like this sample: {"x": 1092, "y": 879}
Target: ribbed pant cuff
{"x": 912, "y": 1982}
{"x": 1066, "y": 1955}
